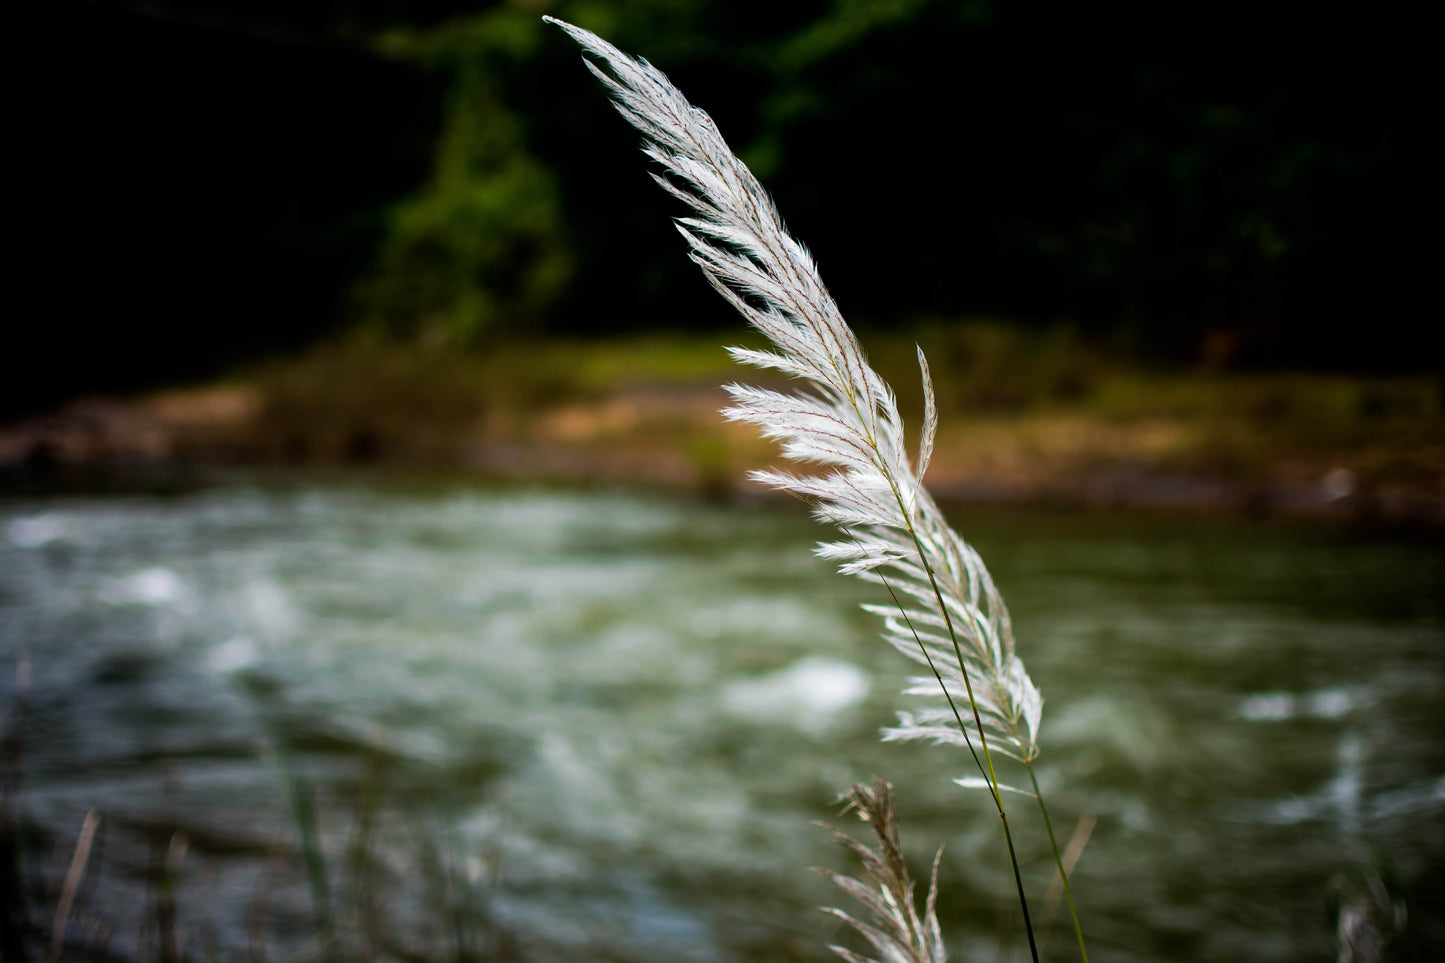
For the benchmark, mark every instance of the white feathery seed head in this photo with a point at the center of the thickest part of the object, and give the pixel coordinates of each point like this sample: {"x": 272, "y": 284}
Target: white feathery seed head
{"x": 947, "y": 616}
{"x": 895, "y": 930}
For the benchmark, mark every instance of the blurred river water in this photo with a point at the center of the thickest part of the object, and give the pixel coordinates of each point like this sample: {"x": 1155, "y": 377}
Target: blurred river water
{"x": 558, "y": 725}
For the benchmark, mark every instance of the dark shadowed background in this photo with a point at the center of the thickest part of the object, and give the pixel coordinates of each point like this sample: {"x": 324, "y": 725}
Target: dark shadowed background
{"x": 376, "y": 568}
{"x": 208, "y": 182}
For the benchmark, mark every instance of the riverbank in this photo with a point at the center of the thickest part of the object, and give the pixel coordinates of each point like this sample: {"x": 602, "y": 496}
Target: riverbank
{"x": 1024, "y": 419}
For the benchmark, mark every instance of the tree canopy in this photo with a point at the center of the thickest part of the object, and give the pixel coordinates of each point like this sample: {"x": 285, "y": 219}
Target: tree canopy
{"x": 1200, "y": 182}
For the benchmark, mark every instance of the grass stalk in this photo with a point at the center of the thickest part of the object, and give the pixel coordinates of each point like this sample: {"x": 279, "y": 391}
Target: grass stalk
{"x": 990, "y": 773}
{"x": 303, "y": 809}
{"x": 896, "y": 928}
{"x": 276, "y": 747}
{"x": 73, "y": 875}
{"x": 954, "y": 618}
{"x": 1059, "y": 862}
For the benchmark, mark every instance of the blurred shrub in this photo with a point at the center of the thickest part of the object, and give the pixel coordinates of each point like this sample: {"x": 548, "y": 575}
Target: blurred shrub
{"x": 482, "y": 242}
{"x": 989, "y": 366}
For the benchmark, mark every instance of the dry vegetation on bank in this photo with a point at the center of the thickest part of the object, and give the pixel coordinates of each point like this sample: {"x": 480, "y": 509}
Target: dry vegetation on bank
{"x": 1034, "y": 417}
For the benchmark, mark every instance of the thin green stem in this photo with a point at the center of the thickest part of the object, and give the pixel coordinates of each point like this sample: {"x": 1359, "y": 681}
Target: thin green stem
{"x": 1059, "y": 861}
{"x": 983, "y": 736}
{"x": 992, "y": 774}
{"x": 906, "y": 514}
{"x": 968, "y": 741}
{"x": 1019, "y": 882}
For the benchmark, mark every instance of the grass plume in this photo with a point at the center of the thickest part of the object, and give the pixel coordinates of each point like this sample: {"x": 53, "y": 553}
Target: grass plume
{"x": 946, "y": 615}
{"x": 898, "y": 933}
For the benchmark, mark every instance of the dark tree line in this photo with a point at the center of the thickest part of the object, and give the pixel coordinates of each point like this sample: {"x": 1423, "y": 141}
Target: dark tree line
{"x": 208, "y": 181}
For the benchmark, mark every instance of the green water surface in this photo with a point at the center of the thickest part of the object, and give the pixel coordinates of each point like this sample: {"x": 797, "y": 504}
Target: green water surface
{"x": 541, "y": 725}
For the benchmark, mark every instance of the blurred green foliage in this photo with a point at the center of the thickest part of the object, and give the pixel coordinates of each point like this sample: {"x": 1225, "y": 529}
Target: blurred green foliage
{"x": 1034, "y": 162}
{"x": 481, "y": 245}
{"x": 1214, "y": 184}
